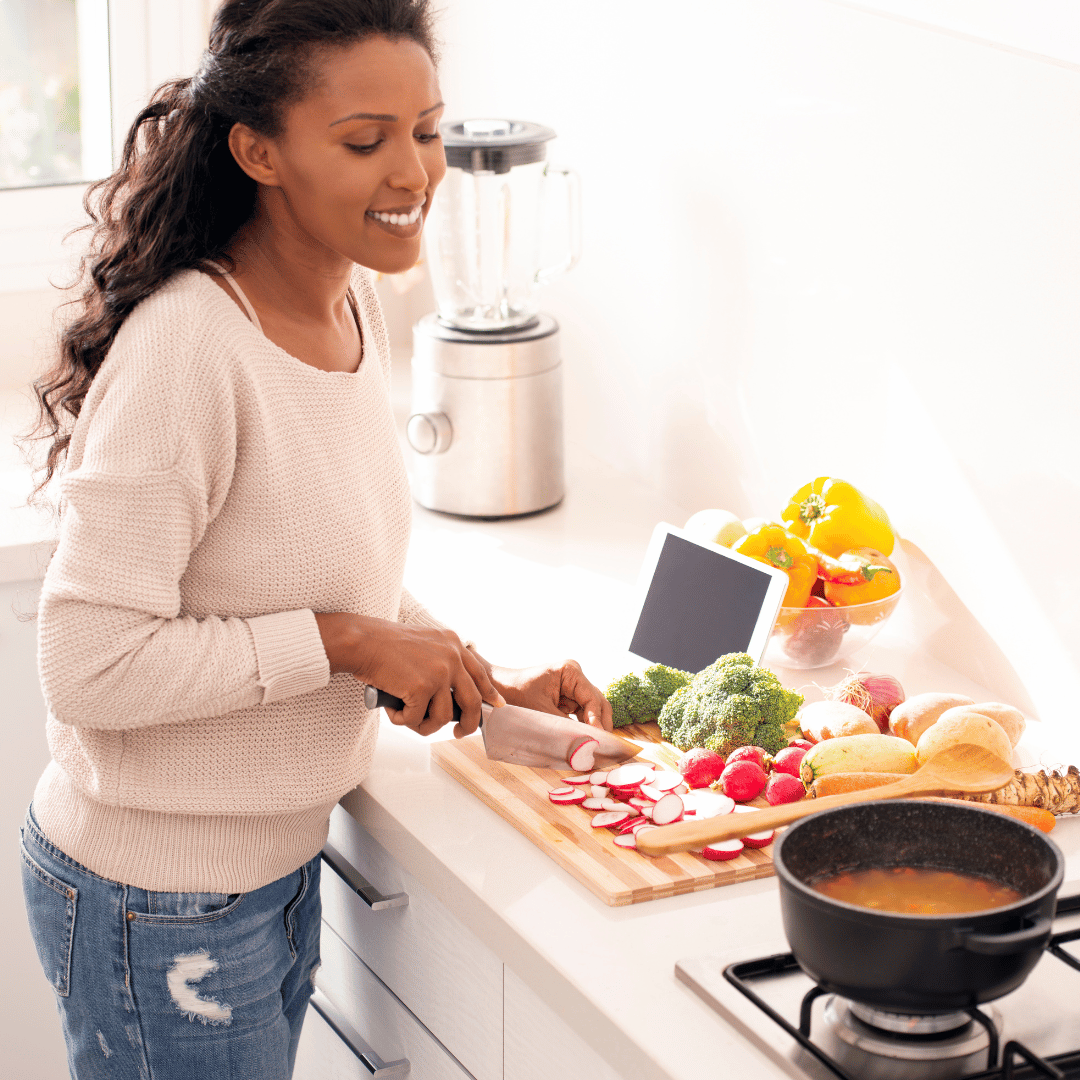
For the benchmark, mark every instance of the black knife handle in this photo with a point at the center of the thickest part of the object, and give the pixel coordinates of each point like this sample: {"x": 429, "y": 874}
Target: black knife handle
{"x": 380, "y": 699}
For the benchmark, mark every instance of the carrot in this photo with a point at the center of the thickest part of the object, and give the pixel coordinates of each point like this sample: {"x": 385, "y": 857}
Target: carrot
{"x": 1032, "y": 815}
{"x": 838, "y": 783}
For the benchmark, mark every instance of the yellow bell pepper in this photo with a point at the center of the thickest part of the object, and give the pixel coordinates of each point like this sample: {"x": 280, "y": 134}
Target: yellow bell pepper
{"x": 775, "y": 546}
{"x": 835, "y": 517}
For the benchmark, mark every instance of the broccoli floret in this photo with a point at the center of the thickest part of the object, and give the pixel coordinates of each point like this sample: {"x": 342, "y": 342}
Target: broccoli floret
{"x": 638, "y": 699}
{"x": 732, "y": 703}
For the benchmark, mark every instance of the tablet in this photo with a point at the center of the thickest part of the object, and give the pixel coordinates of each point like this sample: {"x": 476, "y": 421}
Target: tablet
{"x": 700, "y": 600}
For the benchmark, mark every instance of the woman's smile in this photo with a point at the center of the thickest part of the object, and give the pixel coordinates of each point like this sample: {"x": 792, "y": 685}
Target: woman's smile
{"x": 401, "y": 222}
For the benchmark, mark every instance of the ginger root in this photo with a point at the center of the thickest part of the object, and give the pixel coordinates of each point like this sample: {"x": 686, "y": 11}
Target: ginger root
{"x": 1055, "y": 791}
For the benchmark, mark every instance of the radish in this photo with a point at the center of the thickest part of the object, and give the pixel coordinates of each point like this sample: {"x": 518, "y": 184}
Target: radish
{"x": 610, "y": 819}
{"x": 613, "y": 804}
{"x": 709, "y": 804}
{"x": 638, "y": 801}
{"x": 583, "y": 757}
{"x": 651, "y": 792}
{"x": 562, "y": 791}
{"x": 666, "y": 781}
{"x": 598, "y": 791}
{"x": 667, "y": 809}
{"x": 575, "y": 798}
{"x": 640, "y": 823}
{"x": 631, "y": 823}
{"x": 598, "y": 777}
{"x": 627, "y": 776}
{"x": 758, "y": 839}
{"x": 647, "y": 812}
{"x": 729, "y": 849}
{"x": 627, "y": 840}
{"x": 575, "y": 780}
{"x": 593, "y": 804}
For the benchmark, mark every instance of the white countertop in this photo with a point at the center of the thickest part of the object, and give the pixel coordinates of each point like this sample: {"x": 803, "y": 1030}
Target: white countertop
{"x": 562, "y": 583}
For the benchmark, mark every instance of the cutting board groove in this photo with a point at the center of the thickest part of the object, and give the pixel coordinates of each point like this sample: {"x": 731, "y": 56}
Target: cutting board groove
{"x": 618, "y": 876}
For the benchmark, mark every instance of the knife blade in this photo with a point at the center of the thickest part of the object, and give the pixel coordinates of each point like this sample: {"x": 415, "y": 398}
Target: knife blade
{"x": 523, "y": 736}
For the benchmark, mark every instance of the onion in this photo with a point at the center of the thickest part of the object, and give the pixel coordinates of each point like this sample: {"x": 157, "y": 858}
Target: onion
{"x": 876, "y": 695}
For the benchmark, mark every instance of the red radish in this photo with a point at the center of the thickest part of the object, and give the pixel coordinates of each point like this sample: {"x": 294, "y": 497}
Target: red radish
{"x": 583, "y": 757}
{"x": 614, "y": 804}
{"x": 599, "y": 777}
{"x": 784, "y": 788}
{"x": 598, "y": 791}
{"x": 650, "y": 792}
{"x": 728, "y": 849}
{"x": 666, "y": 781}
{"x": 640, "y": 823}
{"x": 627, "y": 840}
{"x": 689, "y": 813}
{"x": 609, "y": 819}
{"x": 743, "y": 780}
{"x": 749, "y": 753}
{"x": 667, "y": 809}
{"x": 647, "y": 812}
{"x": 631, "y": 823}
{"x": 758, "y": 839}
{"x": 804, "y": 743}
{"x": 709, "y": 804}
{"x": 700, "y": 767}
{"x": 562, "y": 791}
{"x": 788, "y": 760}
{"x": 575, "y": 798}
{"x": 644, "y": 828}
{"x": 575, "y": 780}
{"x": 593, "y": 804}
{"x": 627, "y": 776}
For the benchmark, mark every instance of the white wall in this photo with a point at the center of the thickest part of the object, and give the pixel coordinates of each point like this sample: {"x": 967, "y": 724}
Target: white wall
{"x": 820, "y": 240}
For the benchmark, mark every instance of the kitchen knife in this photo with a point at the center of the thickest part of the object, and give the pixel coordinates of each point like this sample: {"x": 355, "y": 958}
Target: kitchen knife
{"x": 527, "y": 737}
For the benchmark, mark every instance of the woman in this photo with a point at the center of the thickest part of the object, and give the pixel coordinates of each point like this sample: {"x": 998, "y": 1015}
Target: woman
{"x": 234, "y": 523}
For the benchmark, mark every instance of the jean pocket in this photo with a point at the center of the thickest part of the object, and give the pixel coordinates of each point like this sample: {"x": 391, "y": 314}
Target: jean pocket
{"x": 179, "y": 907}
{"x": 50, "y": 907}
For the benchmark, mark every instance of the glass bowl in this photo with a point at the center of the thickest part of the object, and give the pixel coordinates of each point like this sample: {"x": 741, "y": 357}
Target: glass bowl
{"x": 815, "y": 637}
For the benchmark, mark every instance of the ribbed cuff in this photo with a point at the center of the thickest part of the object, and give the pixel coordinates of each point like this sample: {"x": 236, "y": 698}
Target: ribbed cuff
{"x": 290, "y": 654}
{"x": 422, "y": 617}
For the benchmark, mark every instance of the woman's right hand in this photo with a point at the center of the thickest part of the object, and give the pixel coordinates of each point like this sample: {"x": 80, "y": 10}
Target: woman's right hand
{"x": 428, "y": 668}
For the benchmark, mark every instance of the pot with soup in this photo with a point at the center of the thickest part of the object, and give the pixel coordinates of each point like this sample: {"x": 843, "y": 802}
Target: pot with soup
{"x": 915, "y": 906}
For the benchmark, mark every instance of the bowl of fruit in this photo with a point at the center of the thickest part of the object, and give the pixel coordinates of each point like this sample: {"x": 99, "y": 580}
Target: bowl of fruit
{"x": 833, "y": 542}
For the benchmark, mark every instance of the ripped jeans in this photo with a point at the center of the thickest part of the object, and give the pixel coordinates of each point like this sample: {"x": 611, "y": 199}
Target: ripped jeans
{"x": 172, "y": 986}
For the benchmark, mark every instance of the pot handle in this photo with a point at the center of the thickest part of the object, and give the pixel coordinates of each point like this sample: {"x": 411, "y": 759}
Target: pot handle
{"x": 1001, "y": 944}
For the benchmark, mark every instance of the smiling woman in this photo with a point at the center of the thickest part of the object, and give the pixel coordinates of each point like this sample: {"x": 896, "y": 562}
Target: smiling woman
{"x": 234, "y": 520}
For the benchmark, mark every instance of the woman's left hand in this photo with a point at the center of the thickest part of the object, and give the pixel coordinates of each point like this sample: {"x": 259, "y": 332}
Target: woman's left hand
{"x": 561, "y": 688}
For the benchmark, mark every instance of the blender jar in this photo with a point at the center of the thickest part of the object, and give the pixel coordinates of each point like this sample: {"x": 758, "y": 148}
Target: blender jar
{"x": 486, "y": 232}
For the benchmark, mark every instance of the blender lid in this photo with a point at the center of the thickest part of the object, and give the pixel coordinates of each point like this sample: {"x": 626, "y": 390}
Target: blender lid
{"x": 493, "y": 145}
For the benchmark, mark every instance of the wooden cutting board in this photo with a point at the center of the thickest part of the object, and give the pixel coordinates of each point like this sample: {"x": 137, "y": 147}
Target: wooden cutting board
{"x": 618, "y": 876}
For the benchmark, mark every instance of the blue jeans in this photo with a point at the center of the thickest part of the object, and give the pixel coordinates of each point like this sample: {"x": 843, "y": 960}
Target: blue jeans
{"x": 172, "y": 986}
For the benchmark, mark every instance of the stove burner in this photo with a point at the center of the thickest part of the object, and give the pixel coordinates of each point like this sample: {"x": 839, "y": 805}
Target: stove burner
{"x": 909, "y": 1023}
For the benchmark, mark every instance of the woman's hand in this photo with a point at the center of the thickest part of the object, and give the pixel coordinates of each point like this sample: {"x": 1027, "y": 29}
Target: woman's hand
{"x": 428, "y": 669}
{"x": 561, "y": 688}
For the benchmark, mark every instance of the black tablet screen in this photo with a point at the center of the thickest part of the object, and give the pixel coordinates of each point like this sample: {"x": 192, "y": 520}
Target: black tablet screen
{"x": 699, "y": 606}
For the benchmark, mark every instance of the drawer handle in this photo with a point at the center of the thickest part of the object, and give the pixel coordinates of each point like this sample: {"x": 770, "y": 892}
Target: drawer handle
{"x": 382, "y": 1070}
{"x": 359, "y": 885}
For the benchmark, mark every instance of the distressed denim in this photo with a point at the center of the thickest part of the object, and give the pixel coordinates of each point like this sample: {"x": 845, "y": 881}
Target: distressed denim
{"x": 172, "y": 986}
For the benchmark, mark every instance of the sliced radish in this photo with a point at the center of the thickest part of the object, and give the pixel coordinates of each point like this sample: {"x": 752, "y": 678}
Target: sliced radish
{"x": 614, "y": 804}
{"x": 627, "y": 776}
{"x": 562, "y": 791}
{"x": 631, "y": 823}
{"x": 641, "y": 823}
{"x": 688, "y": 813}
{"x": 599, "y": 791}
{"x": 638, "y": 801}
{"x": 598, "y": 777}
{"x": 624, "y": 792}
{"x": 647, "y": 812}
{"x": 648, "y": 791}
{"x": 708, "y": 804}
{"x": 729, "y": 849}
{"x": 667, "y": 809}
{"x": 626, "y": 840}
{"x": 575, "y": 798}
{"x": 609, "y": 819}
{"x": 583, "y": 757}
{"x": 740, "y": 808}
{"x": 575, "y": 780}
{"x": 759, "y": 839}
{"x": 593, "y": 804}
{"x": 666, "y": 781}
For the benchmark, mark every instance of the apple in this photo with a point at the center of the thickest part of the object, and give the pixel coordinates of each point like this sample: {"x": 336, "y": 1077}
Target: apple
{"x": 715, "y": 527}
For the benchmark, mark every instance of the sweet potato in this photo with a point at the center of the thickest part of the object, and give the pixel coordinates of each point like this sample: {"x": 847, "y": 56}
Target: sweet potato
{"x": 912, "y": 717}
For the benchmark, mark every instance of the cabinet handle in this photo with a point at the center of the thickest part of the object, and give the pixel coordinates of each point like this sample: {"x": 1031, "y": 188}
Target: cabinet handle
{"x": 359, "y": 885}
{"x": 381, "y": 1070}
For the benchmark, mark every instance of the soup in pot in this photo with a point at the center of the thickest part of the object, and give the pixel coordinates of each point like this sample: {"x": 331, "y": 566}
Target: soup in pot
{"x": 915, "y": 891}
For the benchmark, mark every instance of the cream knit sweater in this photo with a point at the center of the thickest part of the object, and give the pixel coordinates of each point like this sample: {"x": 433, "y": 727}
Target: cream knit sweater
{"x": 218, "y": 491}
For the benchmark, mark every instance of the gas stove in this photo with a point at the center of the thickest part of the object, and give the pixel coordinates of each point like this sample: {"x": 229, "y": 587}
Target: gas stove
{"x": 816, "y": 1035}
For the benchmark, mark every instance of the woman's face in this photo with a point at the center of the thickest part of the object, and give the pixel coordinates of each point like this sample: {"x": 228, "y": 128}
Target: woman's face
{"x": 360, "y": 155}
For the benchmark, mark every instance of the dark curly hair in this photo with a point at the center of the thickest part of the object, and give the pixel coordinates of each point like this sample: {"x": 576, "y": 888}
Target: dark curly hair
{"x": 179, "y": 197}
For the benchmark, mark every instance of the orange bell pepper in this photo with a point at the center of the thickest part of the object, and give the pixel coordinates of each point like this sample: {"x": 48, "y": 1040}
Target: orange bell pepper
{"x": 775, "y": 546}
{"x": 878, "y": 578}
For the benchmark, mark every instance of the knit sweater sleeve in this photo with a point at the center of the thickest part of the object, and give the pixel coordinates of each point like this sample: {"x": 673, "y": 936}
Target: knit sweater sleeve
{"x": 149, "y": 468}
{"x": 413, "y": 613}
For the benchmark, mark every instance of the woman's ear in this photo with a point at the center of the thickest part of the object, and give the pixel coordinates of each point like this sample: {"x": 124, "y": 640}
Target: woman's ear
{"x": 252, "y": 153}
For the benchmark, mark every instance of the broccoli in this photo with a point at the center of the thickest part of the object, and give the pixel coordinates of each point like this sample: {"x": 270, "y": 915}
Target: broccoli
{"x": 731, "y": 703}
{"x": 637, "y": 699}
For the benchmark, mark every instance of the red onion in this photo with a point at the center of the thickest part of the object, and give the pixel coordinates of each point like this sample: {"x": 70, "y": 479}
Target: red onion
{"x": 876, "y": 695}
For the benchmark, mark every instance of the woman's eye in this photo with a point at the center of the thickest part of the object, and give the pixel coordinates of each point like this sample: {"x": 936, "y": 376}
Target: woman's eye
{"x": 426, "y": 138}
{"x": 365, "y": 149}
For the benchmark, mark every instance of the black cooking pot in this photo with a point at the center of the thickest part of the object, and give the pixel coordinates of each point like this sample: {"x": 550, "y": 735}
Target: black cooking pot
{"x": 917, "y": 963}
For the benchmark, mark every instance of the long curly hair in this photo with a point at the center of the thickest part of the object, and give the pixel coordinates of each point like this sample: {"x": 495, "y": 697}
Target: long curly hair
{"x": 178, "y": 197}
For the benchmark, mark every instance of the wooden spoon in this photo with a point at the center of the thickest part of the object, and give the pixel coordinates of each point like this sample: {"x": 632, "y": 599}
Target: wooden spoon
{"x": 966, "y": 767}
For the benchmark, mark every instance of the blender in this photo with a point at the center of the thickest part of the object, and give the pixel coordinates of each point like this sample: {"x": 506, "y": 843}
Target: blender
{"x": 485, "y": 429}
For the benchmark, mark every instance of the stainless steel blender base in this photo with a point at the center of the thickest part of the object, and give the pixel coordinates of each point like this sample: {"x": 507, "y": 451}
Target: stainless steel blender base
{"x": 486, "y": 425}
